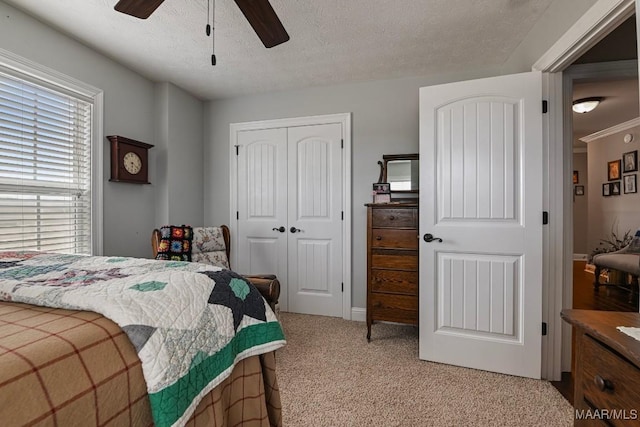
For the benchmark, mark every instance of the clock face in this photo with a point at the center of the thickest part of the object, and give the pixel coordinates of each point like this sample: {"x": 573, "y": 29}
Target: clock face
{"x": 132, "y": 163}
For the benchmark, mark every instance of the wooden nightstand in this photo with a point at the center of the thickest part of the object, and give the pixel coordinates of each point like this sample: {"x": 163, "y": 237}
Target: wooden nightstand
{"x": 607, "y": 368}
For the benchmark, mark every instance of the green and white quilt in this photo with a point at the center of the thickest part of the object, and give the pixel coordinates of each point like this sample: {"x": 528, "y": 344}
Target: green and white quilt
{"x": 190, "y": 323}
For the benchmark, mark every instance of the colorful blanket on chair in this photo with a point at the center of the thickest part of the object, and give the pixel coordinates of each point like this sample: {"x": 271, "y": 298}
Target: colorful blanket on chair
{"x": 190, "y": 323}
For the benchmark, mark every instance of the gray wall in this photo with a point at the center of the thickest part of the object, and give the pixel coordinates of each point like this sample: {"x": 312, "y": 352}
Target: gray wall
{"x": 581, "y": 206}
{"x": 179, "y": 153}
{"x": 129, "y": 110}
{"x": 621, "y": 212}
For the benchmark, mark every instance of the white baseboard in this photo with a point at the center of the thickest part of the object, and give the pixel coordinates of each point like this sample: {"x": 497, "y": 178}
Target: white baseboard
{"x": 358, "y": 314}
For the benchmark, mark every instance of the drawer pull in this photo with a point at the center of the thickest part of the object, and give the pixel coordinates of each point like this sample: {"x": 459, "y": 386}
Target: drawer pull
{"x": 378, "y": 237}
{"x": 391, "y": 218}
{"x": 602, "y": 384}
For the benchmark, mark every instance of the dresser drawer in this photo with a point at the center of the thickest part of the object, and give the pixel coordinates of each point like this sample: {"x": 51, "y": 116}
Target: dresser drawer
{"x": 394, "y": 259}
{"x": 396, "y": 282}
{"x": 622, "y": 379}
{"x": 394, "y": 308}
{"x": 389, "y": 238}
{"x": 387, "y": 217}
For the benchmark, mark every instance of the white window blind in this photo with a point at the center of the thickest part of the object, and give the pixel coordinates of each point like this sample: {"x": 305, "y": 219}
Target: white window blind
{"x": 45, "y": 169}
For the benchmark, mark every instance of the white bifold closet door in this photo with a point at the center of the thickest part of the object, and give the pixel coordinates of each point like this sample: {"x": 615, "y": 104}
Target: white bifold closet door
{"x": 290, "y": 213}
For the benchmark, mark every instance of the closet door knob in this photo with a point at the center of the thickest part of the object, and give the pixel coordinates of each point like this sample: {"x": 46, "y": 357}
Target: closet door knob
{"x": 281, "y": 229}
{"x": 430, "y": 238}
{"x": 294, "y": 230}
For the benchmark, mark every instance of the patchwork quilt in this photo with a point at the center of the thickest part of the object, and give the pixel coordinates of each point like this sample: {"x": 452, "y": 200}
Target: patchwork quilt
{"x": 190, "y": 323}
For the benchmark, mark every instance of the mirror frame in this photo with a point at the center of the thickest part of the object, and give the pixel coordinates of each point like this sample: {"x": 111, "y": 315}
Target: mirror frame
{"x": 391, "y": 157}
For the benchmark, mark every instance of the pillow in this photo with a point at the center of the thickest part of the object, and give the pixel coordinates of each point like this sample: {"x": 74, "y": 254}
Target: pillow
{"x": 175, "y": 243}
{"x": 209, "y": 247}
{"x": 208, "y": 239}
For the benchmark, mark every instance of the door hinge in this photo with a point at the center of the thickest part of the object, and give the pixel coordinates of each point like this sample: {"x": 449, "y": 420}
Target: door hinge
{"x": 237, "y": 149}
{"x": 544, "y": 328}
{"x": 342, "y": 143}
{"x": 342, "y": 286}
{"x": 545, "y": 106}
{"x": 237, "y": 214}
{"x": 545, "y": 218}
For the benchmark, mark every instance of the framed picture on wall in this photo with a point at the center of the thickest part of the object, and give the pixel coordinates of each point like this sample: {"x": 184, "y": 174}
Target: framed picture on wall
{"x": 615, "y": 188}
{"x": 613, "y": 170}
{"x": 575, "y": 177}
{"x": 630, "y": 184}
{"x": 630, "y": 161}
{"x": 606, "y": 189}
{"x": 579, "y": 190}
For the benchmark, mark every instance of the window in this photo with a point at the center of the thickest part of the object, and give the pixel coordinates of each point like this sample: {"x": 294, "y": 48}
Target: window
{"x": 47, "y": 181}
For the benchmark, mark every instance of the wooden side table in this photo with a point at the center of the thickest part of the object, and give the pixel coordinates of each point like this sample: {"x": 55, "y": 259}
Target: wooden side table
{"x": 607, "y": 368}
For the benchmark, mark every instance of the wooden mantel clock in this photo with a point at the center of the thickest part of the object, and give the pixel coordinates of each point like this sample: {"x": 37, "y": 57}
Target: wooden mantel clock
{"x": 129, "y": 160}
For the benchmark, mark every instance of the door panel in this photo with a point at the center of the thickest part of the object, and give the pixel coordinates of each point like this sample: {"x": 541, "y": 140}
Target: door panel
{"x": 315, "y": 208}
{"x": 313, "y": 259}
{"x": 478, "y": 158}
{"x": 260, "y": 255}
{"x": 478, "y": 295}
{"x": 262, "y": 205}
{"x": 481, "y": 192}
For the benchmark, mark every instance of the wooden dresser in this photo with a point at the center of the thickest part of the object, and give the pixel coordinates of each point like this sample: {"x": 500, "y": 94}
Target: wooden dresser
{"x": 607, "y": 368}
{"x": 392, "y": 263}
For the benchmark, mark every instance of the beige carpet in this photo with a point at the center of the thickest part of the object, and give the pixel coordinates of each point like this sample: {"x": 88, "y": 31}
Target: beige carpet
{"x": 330, "y": 376}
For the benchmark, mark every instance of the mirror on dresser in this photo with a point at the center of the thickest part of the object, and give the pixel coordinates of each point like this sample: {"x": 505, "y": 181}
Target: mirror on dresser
{"x": 402, "y": 172}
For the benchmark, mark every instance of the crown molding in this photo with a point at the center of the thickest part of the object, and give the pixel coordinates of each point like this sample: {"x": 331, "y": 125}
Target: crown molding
{"x": 611, "y": 131}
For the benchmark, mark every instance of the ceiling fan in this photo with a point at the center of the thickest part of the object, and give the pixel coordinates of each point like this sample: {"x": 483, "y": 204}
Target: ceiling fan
{"x": 259, "y": 13}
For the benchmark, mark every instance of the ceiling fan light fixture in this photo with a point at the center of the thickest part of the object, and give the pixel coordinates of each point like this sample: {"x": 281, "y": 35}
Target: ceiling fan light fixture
{"x": 585, "y": 105}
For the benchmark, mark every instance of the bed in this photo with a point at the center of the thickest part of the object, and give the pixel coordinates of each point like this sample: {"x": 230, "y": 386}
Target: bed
{"x": 126, "y": 341}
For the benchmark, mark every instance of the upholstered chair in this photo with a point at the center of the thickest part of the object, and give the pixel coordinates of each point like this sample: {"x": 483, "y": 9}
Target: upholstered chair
{"x": 212, "y": 245}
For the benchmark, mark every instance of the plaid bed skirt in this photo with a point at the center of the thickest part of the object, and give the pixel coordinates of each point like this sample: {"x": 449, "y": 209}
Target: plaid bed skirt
{"x": 65, "y": 367}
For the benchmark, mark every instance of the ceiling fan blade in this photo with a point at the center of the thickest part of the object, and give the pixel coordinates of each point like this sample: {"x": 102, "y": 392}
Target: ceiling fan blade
{"x": 264, "y": 21}
{"x": 139, "y": 8}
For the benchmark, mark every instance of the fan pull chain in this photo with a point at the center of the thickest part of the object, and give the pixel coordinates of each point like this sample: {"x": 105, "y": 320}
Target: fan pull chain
{"x": 213, "y": 36}
{"x": 208, "y": 28}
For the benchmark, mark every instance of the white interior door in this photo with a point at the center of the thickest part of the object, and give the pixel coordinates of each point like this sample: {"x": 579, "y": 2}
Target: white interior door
{"x": 315, "y": 223}
{"x": 262, "y": 205}
{"x": 481, "y": 193}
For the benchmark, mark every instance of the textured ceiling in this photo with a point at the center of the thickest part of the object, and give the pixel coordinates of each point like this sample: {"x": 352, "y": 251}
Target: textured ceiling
{"x": 332, "y": 41}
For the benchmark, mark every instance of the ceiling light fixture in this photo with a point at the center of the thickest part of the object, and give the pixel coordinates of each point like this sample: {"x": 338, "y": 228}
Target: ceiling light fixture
{"x": 585, "y": 105}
